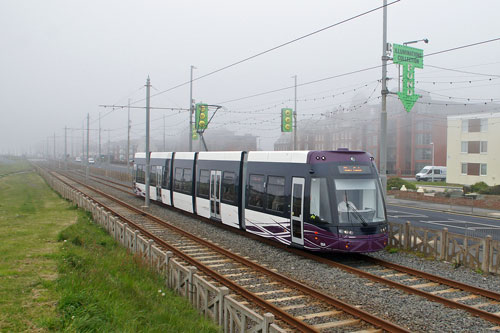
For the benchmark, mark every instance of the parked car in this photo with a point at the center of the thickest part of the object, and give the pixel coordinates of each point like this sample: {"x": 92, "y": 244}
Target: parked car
{"x": 78, "y": 159}
{"x": 426, "y": 174}
{"x": 91, "y": 160}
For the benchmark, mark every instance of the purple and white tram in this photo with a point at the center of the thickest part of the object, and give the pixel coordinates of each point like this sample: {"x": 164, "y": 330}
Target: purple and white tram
{"x": 328, "y": 201}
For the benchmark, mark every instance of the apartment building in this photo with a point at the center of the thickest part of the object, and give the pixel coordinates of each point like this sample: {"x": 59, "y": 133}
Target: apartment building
{"x": 473, "y": 143}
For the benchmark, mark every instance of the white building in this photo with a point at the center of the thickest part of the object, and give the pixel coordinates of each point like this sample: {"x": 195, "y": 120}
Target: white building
{"x": 473, "y": 149}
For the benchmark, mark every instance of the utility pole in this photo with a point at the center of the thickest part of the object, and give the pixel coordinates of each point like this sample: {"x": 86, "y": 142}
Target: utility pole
{"x": 109, "y": 147}
{"x": 383, "y": 114}
{"x": 83, "y": 144}
{"x": 99, "y": 158}
{"x": 190, "y": 131}
{"x": 148, "y": 86}
{"x": 295, "y": 116}
{"x": 65, "y": 148}
{"x": 128, "y": 139}
{"x": 87, "y": 159}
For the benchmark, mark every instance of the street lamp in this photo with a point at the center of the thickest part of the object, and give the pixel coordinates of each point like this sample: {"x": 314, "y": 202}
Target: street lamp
{"x": 426, "y": 41}
{"x": 432, "y": 167}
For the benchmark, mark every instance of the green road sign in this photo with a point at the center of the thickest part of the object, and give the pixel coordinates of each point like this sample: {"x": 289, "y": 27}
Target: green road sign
{"x": 403, "y": 54}
{"x": 410, "y": 58}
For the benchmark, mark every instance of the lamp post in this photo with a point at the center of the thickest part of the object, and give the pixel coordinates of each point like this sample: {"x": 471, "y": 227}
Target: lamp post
{"x": 432, "y": 167}
{"x": 426, "y": 41}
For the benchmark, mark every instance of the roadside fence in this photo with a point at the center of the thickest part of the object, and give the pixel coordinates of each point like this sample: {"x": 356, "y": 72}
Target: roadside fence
{"x": 217, "y": 303}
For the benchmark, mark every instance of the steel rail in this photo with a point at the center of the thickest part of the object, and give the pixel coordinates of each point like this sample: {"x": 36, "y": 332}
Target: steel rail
{"x": 435, "y": 278}
{"x": 365, "y": 316}
{"x": 450, "y": 303}
{"x": 480, "y": 291}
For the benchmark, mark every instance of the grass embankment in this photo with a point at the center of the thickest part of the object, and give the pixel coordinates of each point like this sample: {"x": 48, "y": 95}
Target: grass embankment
{"x": 60, "y": 272}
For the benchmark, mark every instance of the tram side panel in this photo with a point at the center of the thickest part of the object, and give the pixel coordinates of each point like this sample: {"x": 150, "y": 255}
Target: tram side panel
{"x": 183, "y": 179}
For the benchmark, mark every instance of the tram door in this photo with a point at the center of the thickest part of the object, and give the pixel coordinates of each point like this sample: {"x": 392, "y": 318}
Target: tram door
{"x": 215, "y": 184}
{"x": 297, "y": 211}
{"x": 159, "y": 176}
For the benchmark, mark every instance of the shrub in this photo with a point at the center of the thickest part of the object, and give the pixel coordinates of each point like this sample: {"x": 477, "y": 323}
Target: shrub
{"x": 478, "y": 187}
{"x": 398, "y": 182}
{"x": 494, "y": 190}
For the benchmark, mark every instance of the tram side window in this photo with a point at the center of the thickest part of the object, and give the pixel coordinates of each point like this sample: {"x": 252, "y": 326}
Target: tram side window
{"x": 178, "y": 179}
{"x": 276, "y": 194}
{"x": 166, "y": 177}
{"x": 140, "y": 177}
{"x": 152, "y": 176}
{"x": 203, "y": 184}
{"x": 256, "y": 193}
{"x": 187, "y": 181}
{"x": 229, "y": 187}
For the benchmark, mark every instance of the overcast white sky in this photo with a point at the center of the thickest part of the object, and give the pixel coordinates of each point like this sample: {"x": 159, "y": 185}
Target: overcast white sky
{"x": 59, "y": 60}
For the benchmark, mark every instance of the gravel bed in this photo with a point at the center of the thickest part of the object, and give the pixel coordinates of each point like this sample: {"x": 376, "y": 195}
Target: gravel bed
{"x": 413, "y": 312}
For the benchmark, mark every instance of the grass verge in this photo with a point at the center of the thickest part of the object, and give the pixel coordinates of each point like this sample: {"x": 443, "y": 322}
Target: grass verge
{"x": 103, "y": 288}
{"x": 77, "y": 279}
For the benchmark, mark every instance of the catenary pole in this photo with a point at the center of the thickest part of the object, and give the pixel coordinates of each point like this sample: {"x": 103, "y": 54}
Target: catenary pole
{"x": 383, "y": 114}
{"x": 146, "y": 200}
{"x": 99, "y": 158}
{"x": 65, "y": 147}
{"x": 88, "y": 140}
{"x": 295, "y": 116}
{"x": 190, "y": 131}
{"x": 128, "y": 138}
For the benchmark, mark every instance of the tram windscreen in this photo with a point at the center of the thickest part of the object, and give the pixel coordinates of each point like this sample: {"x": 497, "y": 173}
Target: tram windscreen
{"x": 319, "y": 206}
{"x": 359, "y": 201}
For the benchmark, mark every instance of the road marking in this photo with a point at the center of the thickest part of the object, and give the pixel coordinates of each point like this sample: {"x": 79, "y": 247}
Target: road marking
{"x": 446, "y": 211}
{"x": 403, "y": 214}
{"x": 468, "y": 225}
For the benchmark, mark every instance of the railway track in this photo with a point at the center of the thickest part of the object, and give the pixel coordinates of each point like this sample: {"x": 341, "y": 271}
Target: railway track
{"x": 299, "y": 306}
{"x": 476, "y": 301}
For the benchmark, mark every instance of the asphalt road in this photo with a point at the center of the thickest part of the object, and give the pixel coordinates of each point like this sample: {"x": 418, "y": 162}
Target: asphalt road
{"x": 456, "y": 222}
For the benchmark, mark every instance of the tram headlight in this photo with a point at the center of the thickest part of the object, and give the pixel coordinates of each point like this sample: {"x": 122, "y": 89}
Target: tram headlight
{"x": 346, "y": 232}
{"x": 383, "y": 229}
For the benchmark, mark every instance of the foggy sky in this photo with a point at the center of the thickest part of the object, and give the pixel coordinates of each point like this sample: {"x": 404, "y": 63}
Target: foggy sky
{"x": 60, "y": 60}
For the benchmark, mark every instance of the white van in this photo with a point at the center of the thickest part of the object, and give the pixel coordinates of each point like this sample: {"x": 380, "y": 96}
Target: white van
{"x": 426, "y": 174}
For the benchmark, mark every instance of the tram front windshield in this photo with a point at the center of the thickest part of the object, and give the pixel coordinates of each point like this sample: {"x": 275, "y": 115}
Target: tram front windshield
{"x": 359, "y": 201}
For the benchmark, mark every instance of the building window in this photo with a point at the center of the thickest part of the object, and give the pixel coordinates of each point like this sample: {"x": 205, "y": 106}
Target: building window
{"x": 423, "y": 153}
{"x": 483, "y": 169}
{"x": 473, "y": 169}
{"x": 464, "y": 168}
{"x": 484, "y": 147}
{"x": 484, "y": 125}
{"x": 474, "y": 125}
{"x": 423, "y": 138}
{"x": 465, "y": 125}
{"x": 473, "y": 147}
{"x": 464, "y": 147}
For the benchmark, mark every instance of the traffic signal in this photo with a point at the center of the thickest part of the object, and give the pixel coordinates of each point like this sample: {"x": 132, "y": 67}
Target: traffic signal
{"x": 286, "y": 120}
{"x": 201, "y": 116}
{"x": 194, "y": 133}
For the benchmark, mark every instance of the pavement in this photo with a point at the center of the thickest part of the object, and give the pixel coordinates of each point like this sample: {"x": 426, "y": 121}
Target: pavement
{"x": 470, "y": 210}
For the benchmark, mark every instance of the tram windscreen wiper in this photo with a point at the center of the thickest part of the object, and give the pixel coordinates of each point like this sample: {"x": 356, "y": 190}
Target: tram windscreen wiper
{"x": 355, "y": 212}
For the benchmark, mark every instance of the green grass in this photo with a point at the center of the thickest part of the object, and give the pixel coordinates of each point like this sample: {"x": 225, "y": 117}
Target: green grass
{"x": 9, "y": 165}
{"x": 103, "y": 288}
{"x": 31, "y": 215}
{"x": 60, "y": 272}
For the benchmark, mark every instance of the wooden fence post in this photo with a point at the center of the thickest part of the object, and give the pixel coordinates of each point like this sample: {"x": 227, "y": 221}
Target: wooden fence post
{"x": 407, "y": 235}
{"x": 486, "y": 254}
